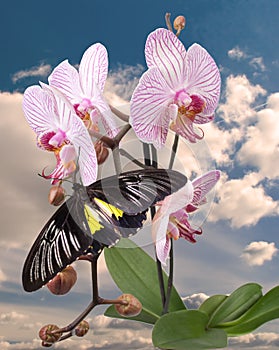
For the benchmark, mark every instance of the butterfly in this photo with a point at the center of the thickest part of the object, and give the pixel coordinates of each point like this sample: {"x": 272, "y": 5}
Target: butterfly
{"x": 94, "y": 217}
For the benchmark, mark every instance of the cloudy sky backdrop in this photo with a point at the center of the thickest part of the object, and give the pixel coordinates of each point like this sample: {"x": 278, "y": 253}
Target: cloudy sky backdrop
{"x": 240, "y": 239}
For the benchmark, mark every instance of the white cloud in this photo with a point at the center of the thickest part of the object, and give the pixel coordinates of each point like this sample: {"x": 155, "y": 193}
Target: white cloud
{"x": 237, "y": 54}
{"x": 3, "y": 277}
{"x": 194, "y": 301}
{"x": 257, "y": 253}
{"x": 12, "y": 317}
{"x": 242, "y": 201}
{"x": 259, "y": 341}
{"x": 240, "y": 95}
{"x": 261, "y": 148}
{"x": 258, "y": 63}
{"x": 42, "y": 70}
{"x": 121, "y": 83}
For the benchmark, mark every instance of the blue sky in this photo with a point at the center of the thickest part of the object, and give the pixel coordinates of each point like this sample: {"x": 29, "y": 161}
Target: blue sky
{"x": 240, "y": 239}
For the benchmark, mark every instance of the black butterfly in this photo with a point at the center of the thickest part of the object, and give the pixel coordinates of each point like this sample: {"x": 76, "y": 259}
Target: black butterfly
{"x": 94, "y": 217}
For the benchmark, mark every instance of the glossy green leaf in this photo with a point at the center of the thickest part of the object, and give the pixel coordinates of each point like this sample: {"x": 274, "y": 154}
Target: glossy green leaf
{"x": 186, "y": 329}
{"x": 264, "y": 310}
{"x": 135, "y": 272}
{"x": 236, "y": 304}
{"x": 212, "y": 303}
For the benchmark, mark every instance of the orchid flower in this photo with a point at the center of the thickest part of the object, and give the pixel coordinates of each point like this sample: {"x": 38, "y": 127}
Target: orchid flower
{"x": 59, "y": 130}
{"x": 178, "y": 90}
{"x": 84, "y": 88}
{"x": 171, "y": 219}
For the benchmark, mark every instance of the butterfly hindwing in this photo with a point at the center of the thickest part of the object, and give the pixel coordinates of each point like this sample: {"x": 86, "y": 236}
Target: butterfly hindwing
{"x": 62, "y": 240}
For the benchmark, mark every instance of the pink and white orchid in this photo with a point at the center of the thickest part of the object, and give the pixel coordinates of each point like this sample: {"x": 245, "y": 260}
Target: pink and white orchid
{"x": 59, "y": 130}
{"x": 171, "y": 219}
{"x": 84, "y": 88}
{"x": 178, "y": 90}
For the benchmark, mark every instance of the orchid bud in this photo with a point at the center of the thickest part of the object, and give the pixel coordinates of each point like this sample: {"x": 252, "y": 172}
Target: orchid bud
{"x": 47, "y": 336}
{"x": 56, "y": 195}
{"x": 82, "y": 328}
{"x": 132, "y": 307}
{"x": 179, "y": 23}
{"x": 101, "y": 152}
{"x": 63, "y": 281}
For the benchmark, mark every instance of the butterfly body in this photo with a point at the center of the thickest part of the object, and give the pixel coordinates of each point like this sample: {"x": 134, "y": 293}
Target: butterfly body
{"x": 94, "y": 217}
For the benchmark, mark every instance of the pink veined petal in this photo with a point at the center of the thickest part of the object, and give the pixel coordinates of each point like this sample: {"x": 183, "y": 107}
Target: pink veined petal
{"x": 40, "y": 109}
{"x": 150, "y": 116}
{"x": 203, "y": 184}
{"x": 184, "y": 127}
{"x": 164, "y": 50}
{"x": 65, "y": 110}
{"x": 85, "y": 151}
{"x": 177, "y": 200}
{"x": 159, "y": 234}
{"x": 203, "y": 77}
{"x": 66, "y": 78}
{"x": 203, "y": 119}
{"x": 93, "y": 69}
{"x": 173, "y": 230}
{"x": 67, "y": 154}
{"x": 107, "y": 118}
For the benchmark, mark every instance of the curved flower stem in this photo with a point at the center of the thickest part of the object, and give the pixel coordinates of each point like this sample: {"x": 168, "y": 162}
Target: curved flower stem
{"x": 124, "y": 153}
{"x": 119, "y": 114}
{"x": 173, "y": 150}
{"x": 153, "y": 161}
{"x": 168, "y": 22}
{"x": 116, "y": 159}
{"x": 170, "y": 280}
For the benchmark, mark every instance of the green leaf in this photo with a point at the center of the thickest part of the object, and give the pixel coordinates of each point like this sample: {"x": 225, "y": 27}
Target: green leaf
{"x": 212, "y": 303}
{"x": 186, "y": 329}
{"x": 135, "y": 272}
{"x": 236, "y": 304}
{"x": 264, "y": 310}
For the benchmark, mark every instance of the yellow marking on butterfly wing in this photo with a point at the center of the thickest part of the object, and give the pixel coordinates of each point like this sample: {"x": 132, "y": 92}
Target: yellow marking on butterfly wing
{"x": 109, "y": 208}
{"x": 92, "y": 219}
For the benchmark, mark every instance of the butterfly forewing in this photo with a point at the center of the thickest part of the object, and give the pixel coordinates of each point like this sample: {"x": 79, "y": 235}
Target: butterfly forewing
{"x": 61, "y": 241}
{"x": 135, "y": 191}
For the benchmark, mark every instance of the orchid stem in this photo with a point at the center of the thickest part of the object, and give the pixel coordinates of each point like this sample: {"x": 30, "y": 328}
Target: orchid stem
{"x": 124, "y": 153}
{"x": 168, "y": 22}
{"x": 116, "y": 159}
{"x": 146, "y": 153}
{"x": 119, "y": 114}
{"x": 174, "y": 150}
{"x": 170, "y": 280}
{"x": 154, "y": 162}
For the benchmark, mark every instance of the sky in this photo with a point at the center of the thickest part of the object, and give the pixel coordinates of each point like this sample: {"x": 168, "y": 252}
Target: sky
{"x": 240, "y": 224}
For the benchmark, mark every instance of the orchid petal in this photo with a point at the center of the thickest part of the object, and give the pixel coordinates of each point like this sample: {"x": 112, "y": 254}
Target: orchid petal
{"x": 203, "y": 184}
{"x": 40, "y": 109}
{"x": 203, "y": 77}
{"x": 85, "y": 151}
{"x": 184, "y": 127}
{"x": 106, "y": 114}
{"x": 93, "y": 69}
{"x": 149, "y": 108}
{"x": 177, "y": 200}
{"x": 173, "y": 230}
{"x": 164, "y": 50}
{"x": 67, "y": 154}
{"x": 78, "y": 135}
{"x": 65, "y": 111}
{"x": 159, "y": 234}
{"x": 66, "y": 78}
